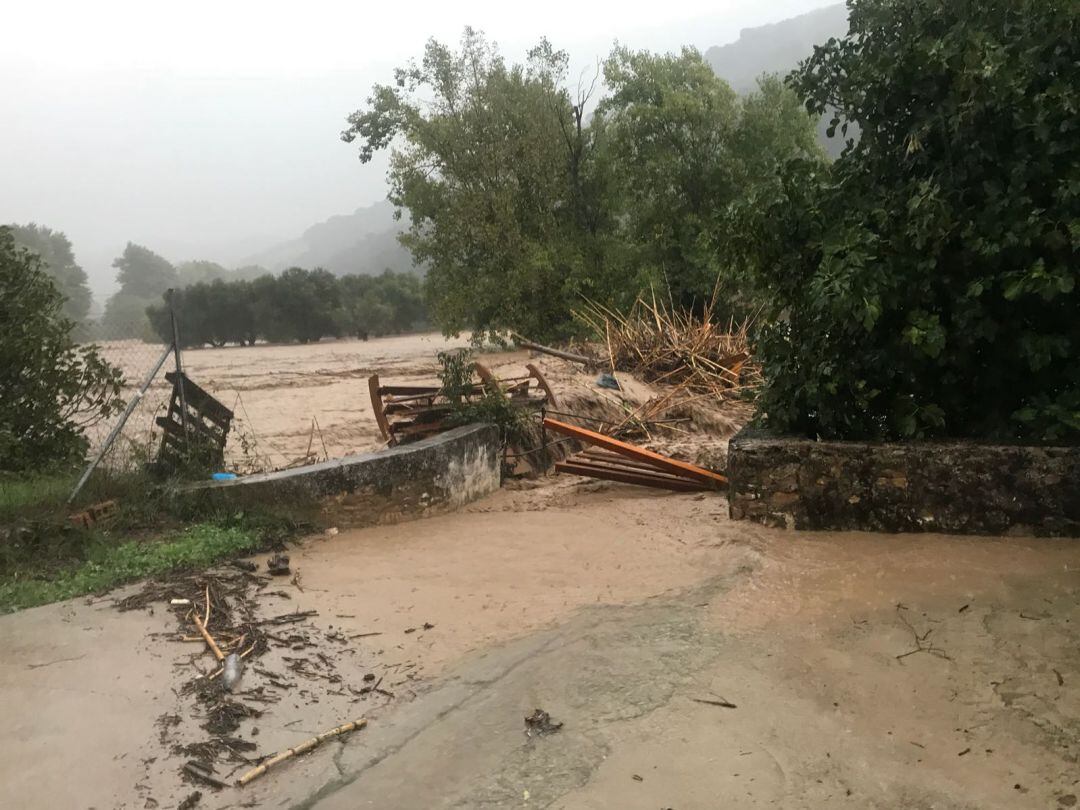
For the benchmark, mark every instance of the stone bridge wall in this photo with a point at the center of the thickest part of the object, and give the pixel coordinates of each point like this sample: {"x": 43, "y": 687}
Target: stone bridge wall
{"x": 955, "y": 487}
{"x": 434, "y": 475}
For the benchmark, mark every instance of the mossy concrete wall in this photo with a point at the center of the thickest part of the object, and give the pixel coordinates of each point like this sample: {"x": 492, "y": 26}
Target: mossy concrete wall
{"x": 409, "y": 481}
{"x": 954, "y": 487}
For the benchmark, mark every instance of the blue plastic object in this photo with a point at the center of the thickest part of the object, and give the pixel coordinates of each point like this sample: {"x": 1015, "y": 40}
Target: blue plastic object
{"x": 223, "y": 476}
{"x": 608, "y": 381}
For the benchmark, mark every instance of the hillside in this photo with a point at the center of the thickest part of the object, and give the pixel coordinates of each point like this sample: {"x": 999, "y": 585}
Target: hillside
{"x": 363, "y": 242}
{"x": 778, "y": 48}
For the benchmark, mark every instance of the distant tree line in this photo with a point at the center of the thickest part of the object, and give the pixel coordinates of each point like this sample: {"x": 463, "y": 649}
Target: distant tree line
{"x": 301, "y": 306}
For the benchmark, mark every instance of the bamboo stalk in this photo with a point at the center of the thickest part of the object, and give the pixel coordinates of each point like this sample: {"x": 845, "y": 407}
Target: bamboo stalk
{"x": 209, "y": 638}
{"x": 305, "y": 746}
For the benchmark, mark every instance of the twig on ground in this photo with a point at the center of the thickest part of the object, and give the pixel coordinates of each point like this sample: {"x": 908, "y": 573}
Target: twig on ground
{"x": 921, "y": 644}
{"x": 721, "y": 702}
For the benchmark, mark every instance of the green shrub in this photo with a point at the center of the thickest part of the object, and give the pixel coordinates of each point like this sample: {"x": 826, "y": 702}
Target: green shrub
{"x": 51, "y": 390}
{"x": 926, "y": 283}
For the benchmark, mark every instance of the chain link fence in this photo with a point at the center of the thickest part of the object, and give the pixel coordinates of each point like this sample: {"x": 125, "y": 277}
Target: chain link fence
{"x": 132, "y": 349}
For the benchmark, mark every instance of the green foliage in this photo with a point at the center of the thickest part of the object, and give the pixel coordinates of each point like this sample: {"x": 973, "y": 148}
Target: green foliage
{"x": 143, "y": 276}
{"x": 142, "y": 273}
{"x": 493, "y": 171}
{"x": 520, "y": 203}
{"x": 108, "y": 564}
{"x": 926, "y": 284}
{"x": 125, "y": 319}
{"x": 50, "y": 389}
{"x": 200, "y": 272}
{"x": 32, "y": 495}
{"x": 494, "y": 407}
{"x": 680, "y": 148}
{"x": 297, "y": 306}
{"x": 58, "y": 260}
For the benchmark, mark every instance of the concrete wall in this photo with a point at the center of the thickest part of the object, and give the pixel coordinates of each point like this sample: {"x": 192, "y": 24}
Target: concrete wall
{"x": 957, "y": 487}
{"x": 435, "y": 475}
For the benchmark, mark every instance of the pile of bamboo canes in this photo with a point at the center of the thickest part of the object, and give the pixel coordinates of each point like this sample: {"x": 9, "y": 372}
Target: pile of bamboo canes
{"x": 678, "y": 348}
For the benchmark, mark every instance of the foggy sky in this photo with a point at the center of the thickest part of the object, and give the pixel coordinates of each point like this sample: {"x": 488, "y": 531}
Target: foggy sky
{"x": 209, "y": 130}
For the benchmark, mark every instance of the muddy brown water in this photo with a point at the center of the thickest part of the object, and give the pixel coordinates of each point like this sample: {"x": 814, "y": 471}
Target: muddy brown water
{"x": 803, "y": 637}
{"x": 866, "y": 670}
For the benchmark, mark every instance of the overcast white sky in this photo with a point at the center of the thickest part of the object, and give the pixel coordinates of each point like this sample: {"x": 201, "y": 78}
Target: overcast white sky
{"x": 210, "y": 129}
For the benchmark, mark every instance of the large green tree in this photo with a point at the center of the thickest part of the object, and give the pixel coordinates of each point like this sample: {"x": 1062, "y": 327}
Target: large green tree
{"x": 51, "y": 390}
{"x": 144, "y": 276}
{"x": 58, "y": 260}
{"x": 668, "y": 126}
{"x": 680, "y": 148}
{"x": 491, "y": 165}
{"x": 926, "y": 284}
{"x": 143, "y": 273}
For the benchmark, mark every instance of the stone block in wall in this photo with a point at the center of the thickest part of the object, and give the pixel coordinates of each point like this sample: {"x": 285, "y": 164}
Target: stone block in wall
{"x": 958, "y": 487}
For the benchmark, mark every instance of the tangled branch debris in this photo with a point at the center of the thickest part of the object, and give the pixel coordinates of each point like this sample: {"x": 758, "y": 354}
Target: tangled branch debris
{"x": 679, "y": 348}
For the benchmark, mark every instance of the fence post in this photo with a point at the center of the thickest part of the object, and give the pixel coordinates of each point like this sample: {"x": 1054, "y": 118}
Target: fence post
{"x": 179, "y": 364}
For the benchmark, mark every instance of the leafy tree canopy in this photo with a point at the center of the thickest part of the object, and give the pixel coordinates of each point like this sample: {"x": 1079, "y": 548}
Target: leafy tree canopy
{"x": 50, "y": 389}
{"x": 299, "y": 305}
{"x": 926, "y": 284}
{"x": 521, "y": 203}
{"x": 58, "y": 260}
{"x": 486, "y": 171}
{"x": 144, "y": 274}
{"x": 680, "y": 148}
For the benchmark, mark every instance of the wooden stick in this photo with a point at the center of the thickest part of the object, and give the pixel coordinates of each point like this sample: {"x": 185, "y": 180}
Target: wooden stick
{"x": 277, "y": 759}
{"x": 537, "y": 347}
{"x": 209, "y": 638}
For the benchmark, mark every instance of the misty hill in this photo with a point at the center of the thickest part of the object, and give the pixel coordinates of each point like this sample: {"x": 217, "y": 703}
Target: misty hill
{"x": 363, "y": 243}
{"x": 778, "y": 48}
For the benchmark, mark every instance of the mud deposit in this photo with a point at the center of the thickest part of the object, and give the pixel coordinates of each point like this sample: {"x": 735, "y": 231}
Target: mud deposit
{"x": 694, "y": 662}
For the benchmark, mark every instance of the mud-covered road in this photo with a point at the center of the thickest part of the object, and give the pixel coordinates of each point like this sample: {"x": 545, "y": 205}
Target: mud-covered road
{"x": 866, "y": 671}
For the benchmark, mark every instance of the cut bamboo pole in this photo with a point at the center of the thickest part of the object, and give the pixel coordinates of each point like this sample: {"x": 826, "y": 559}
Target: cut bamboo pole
{"x": 304, "y": 747}
{"x": 209, "y": 638}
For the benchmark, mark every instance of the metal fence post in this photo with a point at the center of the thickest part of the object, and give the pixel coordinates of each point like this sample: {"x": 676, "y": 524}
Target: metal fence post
{"x": 179, "y": 364}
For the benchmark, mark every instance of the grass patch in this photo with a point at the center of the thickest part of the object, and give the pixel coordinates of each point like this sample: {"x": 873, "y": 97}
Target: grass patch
{"x": 108, "y": 564}
{"x": 32, "y": 497}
